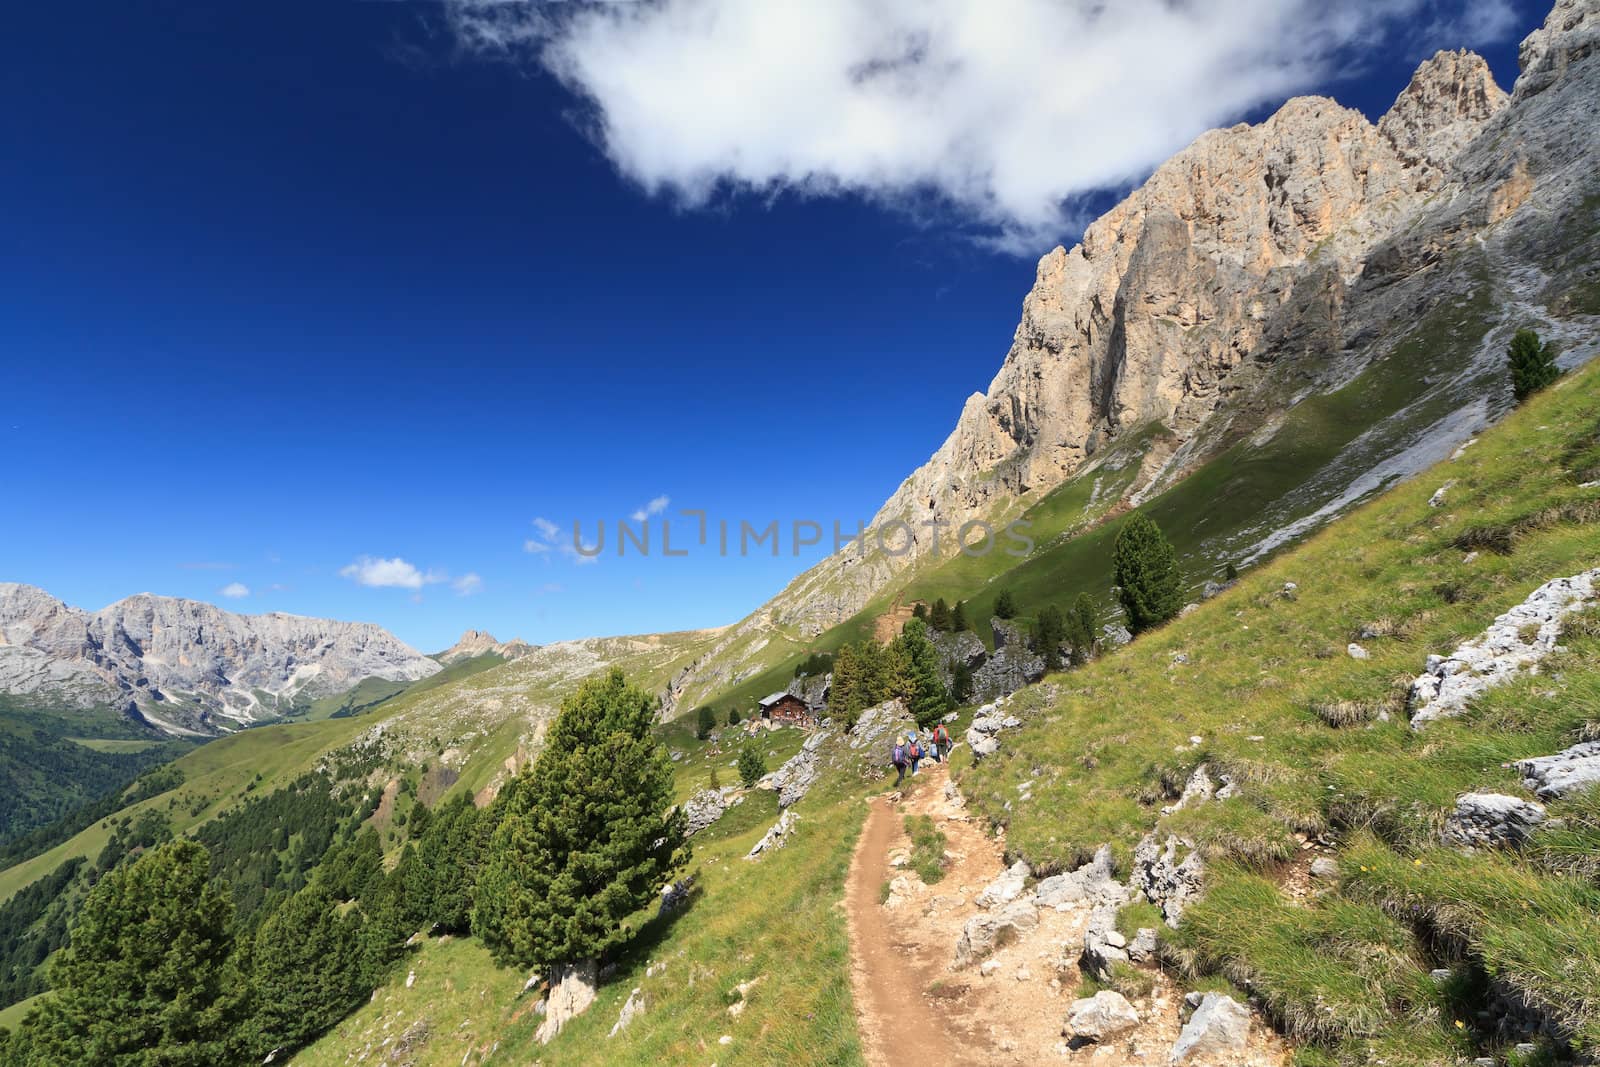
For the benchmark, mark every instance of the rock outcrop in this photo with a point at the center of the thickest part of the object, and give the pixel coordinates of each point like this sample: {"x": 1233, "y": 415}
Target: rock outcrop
{"x": 185, "y": 666}
{"x": 1571, "y": 770}
{"x": 1516, "y": 641}
{"x": 1491, "y": 820}
{"x": 1105, "y": 1015}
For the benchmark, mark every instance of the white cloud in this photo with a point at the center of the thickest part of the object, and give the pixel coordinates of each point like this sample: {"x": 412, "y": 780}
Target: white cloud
{"x": 1006, "y": 110}
{"x": 388, "y": 573}
{"x": 655, "y": 507}
{"x": 235, "y": 590}
{"x": 549, "y": 539}
{"x": 467, "y": 584}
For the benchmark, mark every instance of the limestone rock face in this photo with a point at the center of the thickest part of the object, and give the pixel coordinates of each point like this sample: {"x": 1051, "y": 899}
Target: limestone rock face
{"x": 1449, "y": 99}
{"x": 1259, "y": 266}
{"x": 188, "y": 667}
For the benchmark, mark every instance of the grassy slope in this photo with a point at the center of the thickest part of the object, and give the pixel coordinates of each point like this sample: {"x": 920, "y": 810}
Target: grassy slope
{"x": 774, "y": 919}
{"x": 1263, "y": 669}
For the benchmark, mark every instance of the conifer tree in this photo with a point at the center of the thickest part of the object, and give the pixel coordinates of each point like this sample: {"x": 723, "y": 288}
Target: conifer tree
{"x": 939, "y": 616}
{"x": 958, "y": 617}
{"x": 919, "y": 611}
{"x": 449, "y": 858}
{"x": 1145, "y": 569}
{"x": 306, "y": 971}
{"x": 752, "y": 765}
{"x": 733, "y": 716}
{"x": 1082, "y": 623}
{"x": 960, "y": 682}
{"x": 1049, "y": 630}
{"x": 1005, "y": 605}
{"x": 923, "y": 686}
{"x": 587, "y": 836}
{"x": 1533, "y": 366}
{"x": 151, "y": 975}
{"x": 705, "y": 722}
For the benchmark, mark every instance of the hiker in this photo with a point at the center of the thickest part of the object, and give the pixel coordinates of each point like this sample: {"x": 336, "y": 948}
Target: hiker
{"x": 913, "y": 752}
{"x": 941, "y": 743}
{"x": 898, "y": 758}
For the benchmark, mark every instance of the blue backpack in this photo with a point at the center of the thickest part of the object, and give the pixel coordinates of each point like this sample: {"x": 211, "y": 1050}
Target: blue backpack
{"x": 899, "y": 757}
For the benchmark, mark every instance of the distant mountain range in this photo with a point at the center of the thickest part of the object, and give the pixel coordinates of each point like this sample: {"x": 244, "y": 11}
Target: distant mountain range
{"x": 184, "y": 667}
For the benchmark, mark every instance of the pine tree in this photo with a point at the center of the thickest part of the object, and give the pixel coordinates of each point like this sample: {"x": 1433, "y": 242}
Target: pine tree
{"x": 1145, "y": 569}
{"x": 1005, "y": 605}
{"x": 587, "y": 836}
{"x": 1082, "y": 623}
{"x": 1230, "y": 573}
{"x": 752, "y": 765}
{"x": 923, "y": 687}
{"x": 733, "y": 716}
{"x": 306, "y": 971}
{"x": 939, "y": 616}
{"x": 151, "y": 975}
{"x": 960, "y": 682}
{"x": 958, "y": 617}
{"x": 919, "y": 611}
{"x": 1533, "y": 366}
{"x": 1049, "y": 630}
{"x": 705, "y": 722}
{"x": 449, "y": 857}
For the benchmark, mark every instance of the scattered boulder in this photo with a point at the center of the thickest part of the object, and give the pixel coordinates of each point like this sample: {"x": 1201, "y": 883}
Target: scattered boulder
{"x": 1103, "y": 945}
{"x": 776, "y": 837}
{"x": 572, "y": 991}
{"x": 1106, "y": 1014}
{"x": 1215, "y": 588}
{"x": 1514, "y": 642}
{"x": 1006, "y": 888}
{"x": 1325, "y": 868}
{"x": 1437, "y": 499}
{"x": 1491, "y": 820}
{"x": 986, "y": 932}
{"x": 630, "y": 1011}
{"x": 1217, "y": 1030}
{"x": 1565, "y": 772}
{"x": 1355, "y": 651}
{"x": 1144, "y": 946}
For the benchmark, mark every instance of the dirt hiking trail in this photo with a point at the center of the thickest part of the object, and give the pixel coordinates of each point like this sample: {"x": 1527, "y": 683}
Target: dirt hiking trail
{"x": 914, "y": 1010}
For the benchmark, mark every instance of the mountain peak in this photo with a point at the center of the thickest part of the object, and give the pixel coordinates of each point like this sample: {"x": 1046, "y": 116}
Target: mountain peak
{"x": 1449, "y": 99}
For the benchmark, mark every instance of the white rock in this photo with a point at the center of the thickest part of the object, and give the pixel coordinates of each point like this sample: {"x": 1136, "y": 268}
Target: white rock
{"x": 1219, "y": 1028}
{"x": 1106, "y": 1014}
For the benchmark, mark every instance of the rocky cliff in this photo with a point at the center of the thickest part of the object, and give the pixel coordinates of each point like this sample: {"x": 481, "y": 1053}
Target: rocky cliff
{"x": 1256, "y": 245}
{"x": 183, "y": 666}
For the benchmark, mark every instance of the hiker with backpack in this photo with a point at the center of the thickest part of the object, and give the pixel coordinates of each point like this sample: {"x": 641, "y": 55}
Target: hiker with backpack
{"x": 898, "y": 758}
{"x": 913, "y": 751}
{"x": 941, "y": 743}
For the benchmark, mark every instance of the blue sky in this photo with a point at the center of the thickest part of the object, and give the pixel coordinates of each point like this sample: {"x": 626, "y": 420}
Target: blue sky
{"x": 291, "y": 292}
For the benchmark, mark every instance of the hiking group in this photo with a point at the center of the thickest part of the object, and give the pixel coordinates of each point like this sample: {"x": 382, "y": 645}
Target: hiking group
{"x": 910, "y": 751}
